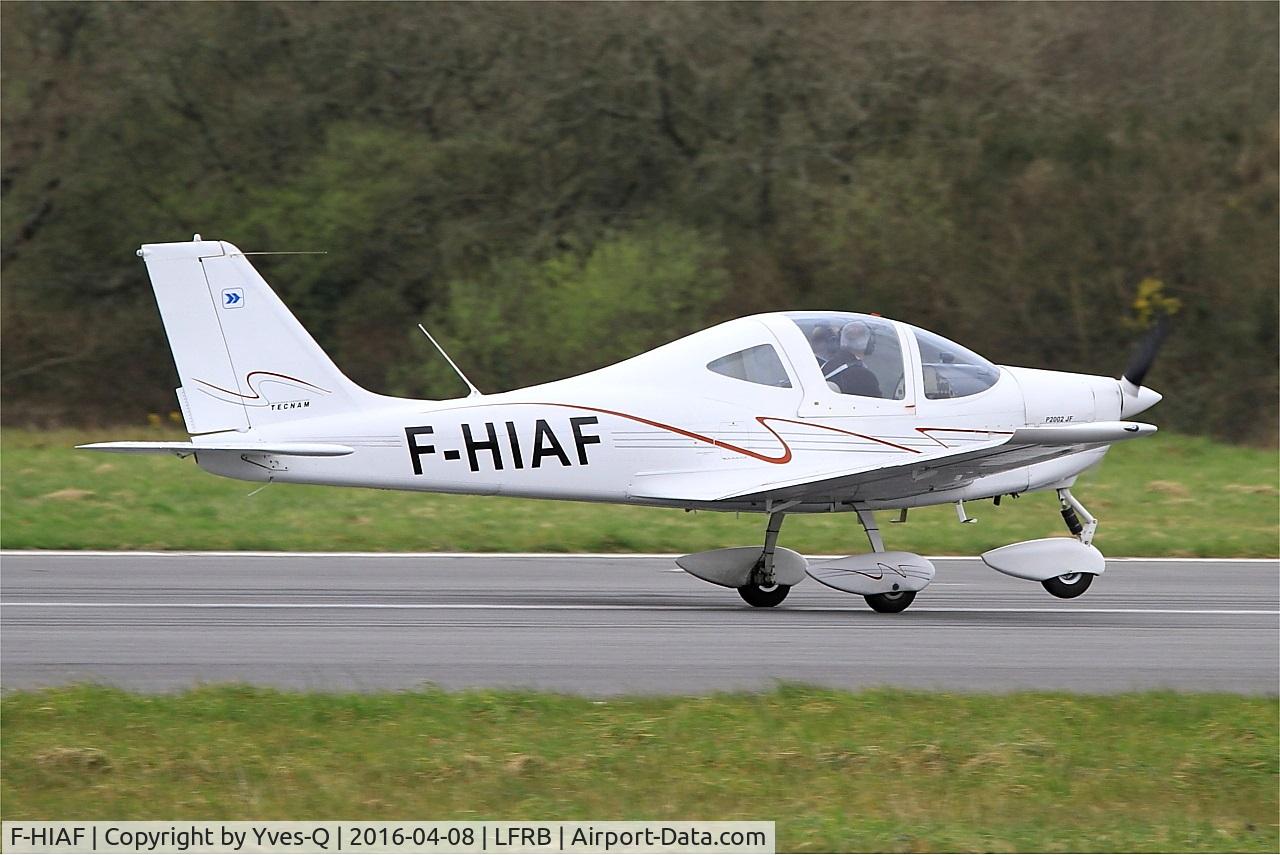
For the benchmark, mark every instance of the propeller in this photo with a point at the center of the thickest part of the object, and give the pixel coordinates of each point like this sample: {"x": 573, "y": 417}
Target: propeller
{"x": 1137, "y": 397}
{"x": 1145, "y": 353}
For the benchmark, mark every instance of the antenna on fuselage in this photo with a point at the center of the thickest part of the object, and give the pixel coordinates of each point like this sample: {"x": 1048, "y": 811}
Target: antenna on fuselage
{"x": 475, "y": 393}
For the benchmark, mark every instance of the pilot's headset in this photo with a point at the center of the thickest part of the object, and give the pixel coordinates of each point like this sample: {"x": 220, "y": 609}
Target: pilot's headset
{"x": 856, "y": 337}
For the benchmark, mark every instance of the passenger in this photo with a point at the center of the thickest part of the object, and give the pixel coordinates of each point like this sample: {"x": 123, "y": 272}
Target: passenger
{"x": 846, "y": 368}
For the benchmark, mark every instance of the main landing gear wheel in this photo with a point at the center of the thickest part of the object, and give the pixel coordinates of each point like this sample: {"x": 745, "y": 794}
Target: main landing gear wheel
{"x": 1068, "y": 585}
{"x": 891, "y": 603}
{"x": 762, "y": 597}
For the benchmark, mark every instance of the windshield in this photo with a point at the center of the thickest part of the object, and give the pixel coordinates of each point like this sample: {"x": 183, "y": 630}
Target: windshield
{"x": 952, "y": 371}
{"x": 759, "y": 364}
{"x": 857, "y": 354}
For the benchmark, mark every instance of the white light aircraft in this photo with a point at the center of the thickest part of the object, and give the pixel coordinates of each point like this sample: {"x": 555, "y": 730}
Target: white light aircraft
{"x": 780, "y": 413}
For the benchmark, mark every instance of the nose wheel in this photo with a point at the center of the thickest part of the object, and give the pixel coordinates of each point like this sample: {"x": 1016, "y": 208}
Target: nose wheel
{"x": 1068, "y": 585}
{"x": 764, "y": 596}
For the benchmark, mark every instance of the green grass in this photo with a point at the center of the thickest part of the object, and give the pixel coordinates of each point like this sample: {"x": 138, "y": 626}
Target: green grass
{"x": 1168, "y": 495}
{"x": 878, "y": 770}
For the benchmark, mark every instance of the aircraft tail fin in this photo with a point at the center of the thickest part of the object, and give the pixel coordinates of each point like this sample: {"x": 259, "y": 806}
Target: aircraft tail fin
{"x": 243, "y": 359}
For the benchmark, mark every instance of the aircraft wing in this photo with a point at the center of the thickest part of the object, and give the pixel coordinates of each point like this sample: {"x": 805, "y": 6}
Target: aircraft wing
{"x": 905, "y": 475}
{"x": 186, "y": 449}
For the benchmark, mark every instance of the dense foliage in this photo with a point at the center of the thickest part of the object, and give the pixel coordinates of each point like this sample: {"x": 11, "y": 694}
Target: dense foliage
{"x": 553, "y": 187}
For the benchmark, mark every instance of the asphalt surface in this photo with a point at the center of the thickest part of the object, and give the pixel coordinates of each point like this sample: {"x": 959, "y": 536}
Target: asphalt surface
{"x": 607, "y": 625}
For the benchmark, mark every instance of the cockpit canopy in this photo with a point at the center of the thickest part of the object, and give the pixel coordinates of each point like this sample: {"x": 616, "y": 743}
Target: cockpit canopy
{"x": 862, "y": 355}
{"x": 858, "y": 355}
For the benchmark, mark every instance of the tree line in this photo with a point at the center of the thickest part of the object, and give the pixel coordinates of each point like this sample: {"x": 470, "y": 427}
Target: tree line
{"x": 550, "y": 188}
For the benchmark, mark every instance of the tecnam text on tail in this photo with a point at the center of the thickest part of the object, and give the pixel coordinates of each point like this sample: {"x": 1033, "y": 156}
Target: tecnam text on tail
{"x": 780, "y": 413}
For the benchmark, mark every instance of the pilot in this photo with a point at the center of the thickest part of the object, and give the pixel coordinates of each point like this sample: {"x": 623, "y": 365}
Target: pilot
{"x": 846, "y": 368}
{"x": 825, "y": 343}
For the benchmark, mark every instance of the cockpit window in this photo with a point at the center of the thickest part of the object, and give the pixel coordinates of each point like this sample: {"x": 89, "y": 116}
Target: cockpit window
{"x": 857, "y": 354}
{"x": 952, "y": 371}
{"x": 759, "y": 364}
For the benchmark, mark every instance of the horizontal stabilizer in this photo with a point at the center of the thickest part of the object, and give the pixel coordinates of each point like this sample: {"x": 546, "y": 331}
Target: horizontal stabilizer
{"x": 186, "y": 449}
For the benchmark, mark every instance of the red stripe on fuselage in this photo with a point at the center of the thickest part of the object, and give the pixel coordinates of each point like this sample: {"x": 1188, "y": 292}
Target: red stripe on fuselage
{"x": 785, "y": 457}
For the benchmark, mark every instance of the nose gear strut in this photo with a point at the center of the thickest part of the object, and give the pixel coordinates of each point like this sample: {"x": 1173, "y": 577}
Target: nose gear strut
{"x": 1072, "y": 514}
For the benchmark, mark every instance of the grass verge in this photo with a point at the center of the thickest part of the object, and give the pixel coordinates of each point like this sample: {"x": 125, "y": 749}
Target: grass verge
{"x": 838, "y": 771}
{"x": 1168, "y": 495}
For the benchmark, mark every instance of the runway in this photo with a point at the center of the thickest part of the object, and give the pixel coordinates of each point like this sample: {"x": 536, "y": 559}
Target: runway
{"x": 604, "y": 625}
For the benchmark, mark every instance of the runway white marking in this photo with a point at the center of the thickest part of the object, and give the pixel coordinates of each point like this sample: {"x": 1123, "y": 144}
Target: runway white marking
{"x": 548, "y": 607}
{"x": 71, "y": 553}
